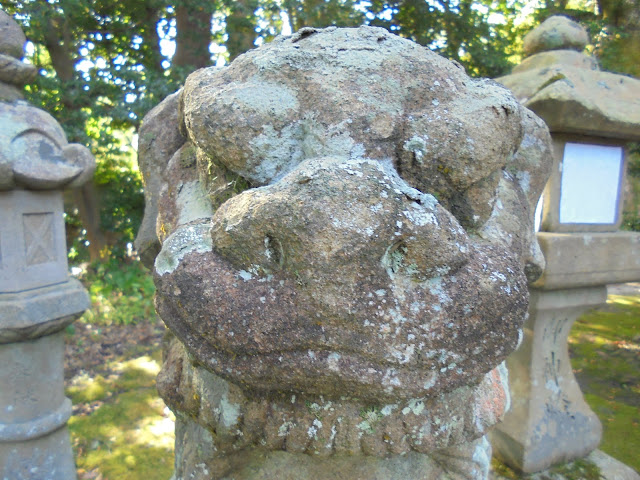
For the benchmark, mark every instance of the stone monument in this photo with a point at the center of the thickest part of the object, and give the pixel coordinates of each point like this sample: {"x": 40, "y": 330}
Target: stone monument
{"x": 346, "y": 231}
{"x": 37, "y": 297}
{"x": 591, "y": 115}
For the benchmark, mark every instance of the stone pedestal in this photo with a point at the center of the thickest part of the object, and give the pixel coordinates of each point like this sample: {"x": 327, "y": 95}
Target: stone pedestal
{"x": 34, "y": 441}
{"x": 37, "y": 301}
{"x": 37, "y": 296}
{"x": 549, "y": 421}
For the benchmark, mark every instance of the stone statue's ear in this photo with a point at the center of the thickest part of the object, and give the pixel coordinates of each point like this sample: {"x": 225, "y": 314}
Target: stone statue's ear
{"x": 80, "y": 156}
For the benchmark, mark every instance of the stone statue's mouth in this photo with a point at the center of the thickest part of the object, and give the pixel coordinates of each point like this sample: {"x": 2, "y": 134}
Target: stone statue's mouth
{"x": 270, "y": 333}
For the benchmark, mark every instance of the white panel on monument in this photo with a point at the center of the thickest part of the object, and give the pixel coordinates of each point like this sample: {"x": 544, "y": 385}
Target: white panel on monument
{"x": 590, "y": 185}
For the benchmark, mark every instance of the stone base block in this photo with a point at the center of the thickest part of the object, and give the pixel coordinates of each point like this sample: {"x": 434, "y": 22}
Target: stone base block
{"x": 42, "y": 311}
{"x": 196, "y": 460}
{"x": 608, "y": 468}
{"x": 549, "y": 422}
{"x": 33, "y": 253}
{"x": 48, "y": 457}
{"x": 34, "y": 441}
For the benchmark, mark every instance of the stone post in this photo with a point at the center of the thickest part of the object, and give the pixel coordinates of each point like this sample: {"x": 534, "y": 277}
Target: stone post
{"x": 345, "y": 247}
{"x": 591, "y": 114}
{"x": 37, "y": 296}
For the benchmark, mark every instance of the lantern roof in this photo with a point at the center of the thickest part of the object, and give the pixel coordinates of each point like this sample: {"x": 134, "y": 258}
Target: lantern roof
{"x": 565, "y": 86}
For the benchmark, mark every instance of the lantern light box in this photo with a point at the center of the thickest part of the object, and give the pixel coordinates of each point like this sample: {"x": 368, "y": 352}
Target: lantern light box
{"x": 590, "y": 184}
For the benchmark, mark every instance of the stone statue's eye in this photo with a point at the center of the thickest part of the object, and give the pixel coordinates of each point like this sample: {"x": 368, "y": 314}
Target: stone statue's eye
{"x": 273, "y": 251}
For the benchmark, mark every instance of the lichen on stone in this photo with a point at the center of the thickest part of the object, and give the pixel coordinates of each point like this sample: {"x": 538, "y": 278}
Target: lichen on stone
{"x": 359, "y": 290}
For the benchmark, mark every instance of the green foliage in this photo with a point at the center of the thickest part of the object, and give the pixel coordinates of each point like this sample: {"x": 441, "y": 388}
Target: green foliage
{"x": 370, "y": 416}
{"x": 630, "y": 221}
{"x": 581, "y": 469}
{"x": 323, "y": 13}
{"x": 120, "y": 293}
{"x": 120, "y": 190}
{"x": 631, "y": 214}
{"x": 481, "y": 35}
{"x": 122, "y": 201}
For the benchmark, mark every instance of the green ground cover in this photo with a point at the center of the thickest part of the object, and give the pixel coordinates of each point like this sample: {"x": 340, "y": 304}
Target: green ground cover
{"x": 121, "y": 430}
{"x": 605, "y": 352}
{"x": 129, "y": 434}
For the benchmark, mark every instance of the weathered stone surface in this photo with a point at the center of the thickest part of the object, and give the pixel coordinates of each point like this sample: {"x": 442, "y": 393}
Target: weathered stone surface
{"x": 568, "y": 58}
{"x": 345, "y": 434}
{"x": 34, "y": 313}
{"x": 34, "y": 441}
{"x": 158, "y": 139}
{"x": 9, "y": 93}
{"x": 377, "y": 267}
{"x": 556, "y": 33}
{"x": 183, "y": 198}
{"x": 465, "y": 461}
{"x": 13, "y": 39}
{"x": 576, "y": 100}
{"x": 589, "y": 259}
{"x": 567, "y": 90}
{"x": 33, "y": 251}
{"x": 549, "y": 422}
{"x": 320, "y": 283}
{"x": 14, "y": 72}
{"x": 35, "y": 153}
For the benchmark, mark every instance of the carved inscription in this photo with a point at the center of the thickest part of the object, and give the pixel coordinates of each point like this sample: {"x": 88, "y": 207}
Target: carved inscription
{"x": 39, "y": 243}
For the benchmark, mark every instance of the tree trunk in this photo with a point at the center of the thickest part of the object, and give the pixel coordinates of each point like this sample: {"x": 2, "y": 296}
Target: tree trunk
{"x": 58, "y": 43}
{"x": 86, "y": 201}
{"x": 193, "y": 24}
{"x": 241, "y": 25}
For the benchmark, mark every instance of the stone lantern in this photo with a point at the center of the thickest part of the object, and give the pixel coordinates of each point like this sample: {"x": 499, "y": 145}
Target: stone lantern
{"x": 591, "y": 115}
{"x": 37, "y": 296}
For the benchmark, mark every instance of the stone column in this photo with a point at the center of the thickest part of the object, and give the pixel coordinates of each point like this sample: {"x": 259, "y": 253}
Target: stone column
{"x": 591, "y": 115}
{"x": 37, "y": 296}
{"x": 348, "y": 315}
{"x": 549, "y": 421}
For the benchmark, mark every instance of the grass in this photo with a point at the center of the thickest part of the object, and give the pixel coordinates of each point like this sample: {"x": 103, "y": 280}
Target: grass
{"x": 605, "y": 351}
{"x": 121, "y": 429}
{"x": 129, "y": 434}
